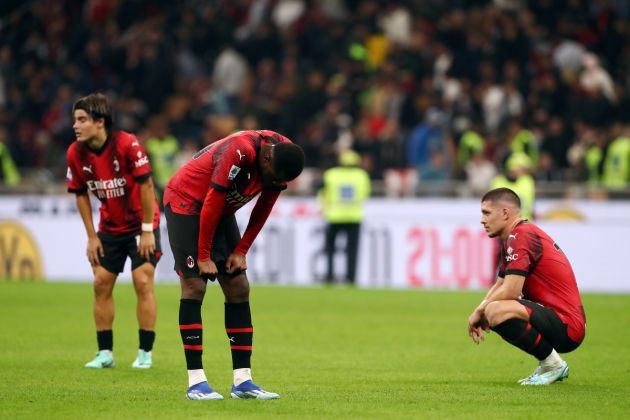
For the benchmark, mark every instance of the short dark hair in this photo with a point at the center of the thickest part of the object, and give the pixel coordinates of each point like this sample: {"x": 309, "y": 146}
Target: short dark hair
{"x": 502, "y": 194}
{"x": 288, "y": 160}
{"x": 96, "y": 106}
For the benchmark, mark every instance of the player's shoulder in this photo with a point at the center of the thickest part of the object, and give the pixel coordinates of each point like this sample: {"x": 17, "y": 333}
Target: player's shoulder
{"x": 75, "y": 150}
{"x": 124, "y": 139}
{"x": 274, "y": 137}
{"x": 241, "y": 138}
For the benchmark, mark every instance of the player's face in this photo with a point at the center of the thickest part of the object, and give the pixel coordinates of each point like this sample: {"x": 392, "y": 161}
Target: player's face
{"x": 269, "y": 175}
{"x": 85, "y": 128}
{"x": 492, "y": 218}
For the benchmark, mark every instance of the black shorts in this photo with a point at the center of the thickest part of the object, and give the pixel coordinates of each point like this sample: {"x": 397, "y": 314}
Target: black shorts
{"x": 550, "y": 326}
{"x": 183, "y": 234}
{"x": 118, "y": 247}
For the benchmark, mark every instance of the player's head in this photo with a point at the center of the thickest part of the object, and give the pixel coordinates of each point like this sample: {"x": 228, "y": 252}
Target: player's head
{"x": 500, "y": 208}
{"x": 285, "y": 163}
{"x": 91, "y": 114}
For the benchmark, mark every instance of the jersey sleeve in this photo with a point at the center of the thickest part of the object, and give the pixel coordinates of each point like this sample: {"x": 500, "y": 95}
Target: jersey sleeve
{"x": 73, "y": 181}
{"x": 137, "y": 159}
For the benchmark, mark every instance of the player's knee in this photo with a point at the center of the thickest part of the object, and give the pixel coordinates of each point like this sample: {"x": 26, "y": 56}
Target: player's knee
{"x": 143, "y": 286}
{"x": 102, "y": 287}
{"x": 494, "y": 313}
{"x": 195, "y": 290}
{"x": 238, "y": 290}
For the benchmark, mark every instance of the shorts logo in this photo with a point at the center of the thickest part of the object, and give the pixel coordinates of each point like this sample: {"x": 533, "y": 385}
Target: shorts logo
{"x": 234, "y": 170}
{"x": 190, "y": 262}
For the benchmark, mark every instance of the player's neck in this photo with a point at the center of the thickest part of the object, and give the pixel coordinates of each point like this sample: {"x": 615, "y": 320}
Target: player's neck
{"x": 97, "y": 141}
{"x": 510, "y": 227}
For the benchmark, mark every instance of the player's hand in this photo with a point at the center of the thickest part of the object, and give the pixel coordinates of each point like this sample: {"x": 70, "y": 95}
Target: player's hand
{"x": 477, "y": 334}
{"x": 235, "y": 263}
{"x": 477, "y": 325}
{"x": 207, "y": 269}
{"x": 95, "y": 250}
{"x": 146, "y": 245}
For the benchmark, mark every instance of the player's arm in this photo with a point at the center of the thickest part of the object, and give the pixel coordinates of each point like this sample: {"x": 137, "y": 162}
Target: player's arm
{"x": 236, "y": 261}
{"x": 94, "y": 245}
{"x": 208, "y": 220}
{"x": 508, "y": 288}
{"x": 146, "y": 245}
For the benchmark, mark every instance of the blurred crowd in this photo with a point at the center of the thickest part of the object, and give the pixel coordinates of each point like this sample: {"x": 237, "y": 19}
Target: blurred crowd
{"x": 440, "y": 89}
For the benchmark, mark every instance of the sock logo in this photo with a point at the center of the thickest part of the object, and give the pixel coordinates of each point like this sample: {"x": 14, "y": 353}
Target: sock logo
{"x": 232, "y": 340}
{"x": 192, "y": 337}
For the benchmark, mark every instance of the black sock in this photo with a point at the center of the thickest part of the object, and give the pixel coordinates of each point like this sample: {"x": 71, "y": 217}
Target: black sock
{"x": 523, "y": 335}
{"x": 146, "y": 339}
{"x": 191, "y": 330}
{"x": 105, "y": 340}
{"x": 240, "y": 332}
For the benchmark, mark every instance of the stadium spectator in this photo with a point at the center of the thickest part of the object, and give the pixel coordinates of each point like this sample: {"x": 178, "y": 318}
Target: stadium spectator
{"x": 342, "y": 197}
{"x": 385, "y": 63}
{"x": 616, "y": 165}
{"x": 9, "y": 175}
{"x": 200, "y": 201}
{"x": 535, "y": 304}
{"x": 116, "y": 169}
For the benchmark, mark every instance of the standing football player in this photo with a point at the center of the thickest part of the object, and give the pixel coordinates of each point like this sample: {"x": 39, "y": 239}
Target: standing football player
{"x": 535, "y": 304}
{"x": 115, "y": 168}
{"x": 199, "y": 203}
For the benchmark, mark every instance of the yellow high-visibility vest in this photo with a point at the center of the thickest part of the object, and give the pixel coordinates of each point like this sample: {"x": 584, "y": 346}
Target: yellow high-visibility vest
{"x": 616, "y": 174}
{"x": 344, "y": 193}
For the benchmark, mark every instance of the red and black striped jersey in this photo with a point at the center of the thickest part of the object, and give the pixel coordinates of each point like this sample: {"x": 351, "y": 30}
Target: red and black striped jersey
{"x": 228, "y": 165}
{"x": 111, "y": 174}
{"x": 549, "y": 277}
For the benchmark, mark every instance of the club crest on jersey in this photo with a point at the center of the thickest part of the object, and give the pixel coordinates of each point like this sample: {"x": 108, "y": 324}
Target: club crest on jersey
{"x": 234, "y": 170}
{"x": 116, "y": 165}
{"x": 510, "y": 256}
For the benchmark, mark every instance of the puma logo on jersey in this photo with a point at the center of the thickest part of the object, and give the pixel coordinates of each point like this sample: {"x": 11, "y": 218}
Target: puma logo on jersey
{"x": 512, "y": 236}
{"x": 88, "y": 169}
{"x": 240, "y": 155}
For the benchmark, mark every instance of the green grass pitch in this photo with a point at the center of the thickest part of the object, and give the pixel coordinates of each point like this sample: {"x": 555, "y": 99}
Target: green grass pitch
{"x": 331, "y": 353}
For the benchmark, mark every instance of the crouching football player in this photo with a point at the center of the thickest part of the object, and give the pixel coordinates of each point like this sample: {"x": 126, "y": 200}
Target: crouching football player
{"x": 535, "y": 304}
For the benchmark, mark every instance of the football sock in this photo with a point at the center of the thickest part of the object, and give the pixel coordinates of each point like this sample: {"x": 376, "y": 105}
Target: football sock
{"x": 242, "y": 375}
{"x": 146, "y": 339}
{"x": 196, "y": 376}
{"x": 552, "y": 361}
{"x": 191, "y": 330}
{"x": 105, "y": 340}
{"x": 523, "y": 335}
{"x": 240, "y": 332}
